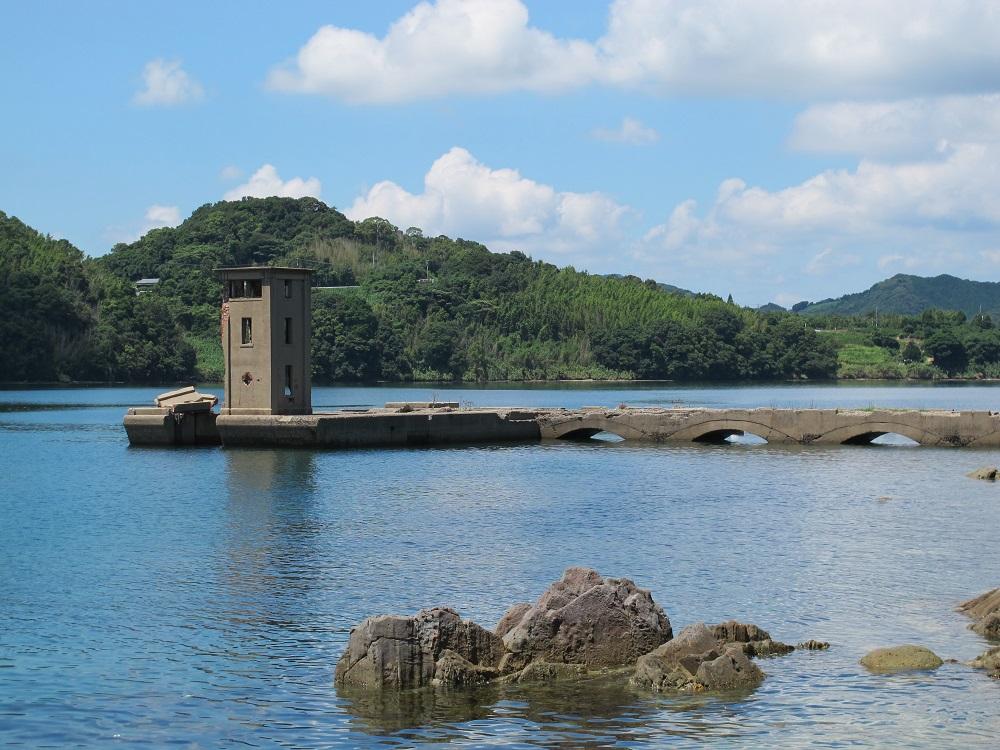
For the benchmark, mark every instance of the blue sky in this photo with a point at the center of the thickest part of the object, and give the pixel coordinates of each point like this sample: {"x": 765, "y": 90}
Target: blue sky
{"x": 768, "y": 150}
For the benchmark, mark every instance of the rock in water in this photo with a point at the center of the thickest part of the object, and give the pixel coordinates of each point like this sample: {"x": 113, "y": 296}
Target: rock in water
{"x": 990, "y": 661}
{"x": 396, "y": 652}
{"x": 985, "y": 610}
{"x": 988, "y": 473}
{"x": 586, "y": 619}
{"x": 906, "y": 658}
{"x": 814, "y": 645}
{"x": 695, "y": 661}
{"x": 754, "y": 640}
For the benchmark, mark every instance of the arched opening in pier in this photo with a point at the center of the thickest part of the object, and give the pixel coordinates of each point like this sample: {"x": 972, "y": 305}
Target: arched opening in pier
{"x": 730, "y": 437}
{"x": 585, "y": 434}
{"x": 881, "y": 438}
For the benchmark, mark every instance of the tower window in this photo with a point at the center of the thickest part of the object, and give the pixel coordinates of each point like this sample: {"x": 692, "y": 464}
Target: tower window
{"x": 288, "y": 382}
{"x": 288, "y": 289}
{"x": 288, "y": 330}
{"x": 246, "y": 332}
{"x": 244, "y": 288}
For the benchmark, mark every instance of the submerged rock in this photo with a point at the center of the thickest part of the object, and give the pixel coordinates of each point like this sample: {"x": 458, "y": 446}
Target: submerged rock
{"x": 988, "y": 473}
{"x": 390, "y": 651}
{"x": 543, "y": 671}
{"x": 813, "y": 645}
{"x": 585, "y": 619}
{"x": 905, "y": 658}
{"x": 985, "y": 610}
{"x": 694, "y": 661}
{"x": 754, "y": 640}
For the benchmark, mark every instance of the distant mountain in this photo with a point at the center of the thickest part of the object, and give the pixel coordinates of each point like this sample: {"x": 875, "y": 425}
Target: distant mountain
{"x": 911, "y": 295}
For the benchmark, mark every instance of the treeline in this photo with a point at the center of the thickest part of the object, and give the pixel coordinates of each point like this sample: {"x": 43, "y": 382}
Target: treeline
{"x": 406, "y": 307}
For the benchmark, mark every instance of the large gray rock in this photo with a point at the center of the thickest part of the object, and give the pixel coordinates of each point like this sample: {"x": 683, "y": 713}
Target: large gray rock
{"x": 695, "y": 661}
{"x": 985, "y": 610}
{"x": 754, "y": 640}
{"x": 435, "y": 646}
{"x": 587, "y": 619}
{"x": 905, "y": 658}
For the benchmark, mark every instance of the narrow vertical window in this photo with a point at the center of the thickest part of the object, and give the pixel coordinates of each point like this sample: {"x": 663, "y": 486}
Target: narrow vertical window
{"x": 288, "y": 330}
{"x": 247, "y": 332}
{"x": 288, "y": 381}
{"x": 288, "y": 289}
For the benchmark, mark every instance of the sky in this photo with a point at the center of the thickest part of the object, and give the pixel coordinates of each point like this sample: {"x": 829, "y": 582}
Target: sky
{"x": 775, "y": 151}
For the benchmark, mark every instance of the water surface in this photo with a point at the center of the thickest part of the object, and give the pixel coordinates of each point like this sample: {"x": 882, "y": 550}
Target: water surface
{"x": 200, "y": 597}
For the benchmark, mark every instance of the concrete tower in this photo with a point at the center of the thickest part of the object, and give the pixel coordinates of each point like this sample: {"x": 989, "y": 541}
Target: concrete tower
{"x": 265, "y": 340}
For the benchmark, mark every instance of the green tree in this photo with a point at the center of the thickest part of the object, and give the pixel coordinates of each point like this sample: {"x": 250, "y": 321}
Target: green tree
{"x": 911, "y": 353}
{"x": 947, "y": 351}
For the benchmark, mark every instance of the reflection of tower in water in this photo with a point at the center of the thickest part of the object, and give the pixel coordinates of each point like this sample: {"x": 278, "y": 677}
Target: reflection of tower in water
{"x": 273, "y": 557}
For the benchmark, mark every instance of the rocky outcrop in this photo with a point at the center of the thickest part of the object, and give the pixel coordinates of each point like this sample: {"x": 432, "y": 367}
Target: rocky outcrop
{"x": 754, "y": 641}
{"x": 586, "y": 619}
{"x": 583, "y": 625}
{"x": 435, "y": 646}
{"x": 906, "y": 658}
{"x": 990, "y": 661}
{"x": 695, "y": 661}
{"x": 985, "y": 610}
{"x": 988, "y": 473}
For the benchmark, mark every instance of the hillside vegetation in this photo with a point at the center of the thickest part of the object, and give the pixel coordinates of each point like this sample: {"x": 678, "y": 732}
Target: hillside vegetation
{"x": 424, "y": 308}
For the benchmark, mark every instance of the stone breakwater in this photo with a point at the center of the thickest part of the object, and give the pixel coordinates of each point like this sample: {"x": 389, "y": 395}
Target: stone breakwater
{"x": 582, "y": 624}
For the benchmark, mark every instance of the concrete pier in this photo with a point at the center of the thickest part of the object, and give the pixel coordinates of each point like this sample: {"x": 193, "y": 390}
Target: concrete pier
{"x": 420, "y": 424}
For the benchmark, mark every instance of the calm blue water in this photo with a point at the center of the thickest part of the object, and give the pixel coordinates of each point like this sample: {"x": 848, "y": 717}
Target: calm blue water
{"x": 200, "y": 598}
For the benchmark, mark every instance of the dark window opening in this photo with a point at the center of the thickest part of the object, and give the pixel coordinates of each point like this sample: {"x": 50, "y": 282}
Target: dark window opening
{"x": 242, "y": 288}
{"x": 246, "y": 332}
{"x": 288, "y": 382}
{"x": 288, "y": 289}
{"x": 288, "y": 330}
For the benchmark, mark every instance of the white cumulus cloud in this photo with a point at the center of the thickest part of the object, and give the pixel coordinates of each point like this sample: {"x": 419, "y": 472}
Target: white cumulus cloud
{"x": 898, "y": 128}
{"x": 167, "y": 84}
{"x": 267, "y": 182}
{"x": 631, "y": 132}
{"x": 450, "y": 46}
{"x": 814, "y": 48}
{"x": 463, "y": 197}
{"x": 934, "y": 214}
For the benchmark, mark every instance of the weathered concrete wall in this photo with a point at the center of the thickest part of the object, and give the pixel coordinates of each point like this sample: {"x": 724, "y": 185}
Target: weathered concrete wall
{"x": 381, "y": 428}
{"x": 162, "y": 426}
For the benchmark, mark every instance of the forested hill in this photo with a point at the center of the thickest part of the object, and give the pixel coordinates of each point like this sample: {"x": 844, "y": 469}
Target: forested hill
{"x": 406, "y": 306}
{"x": 911, "y": 295}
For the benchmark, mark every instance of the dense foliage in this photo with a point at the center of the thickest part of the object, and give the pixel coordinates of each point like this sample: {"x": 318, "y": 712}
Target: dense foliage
{"x": 60, "y": 321}
{"x": 400, "y": 306}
